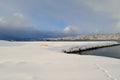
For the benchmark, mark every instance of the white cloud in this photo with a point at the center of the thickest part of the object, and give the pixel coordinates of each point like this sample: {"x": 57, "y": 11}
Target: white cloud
{"x": 67, "y": 29}
{"x": 19, "y": 15}
{"x": 15, "y": 20}
{"x": 71, "y": 29}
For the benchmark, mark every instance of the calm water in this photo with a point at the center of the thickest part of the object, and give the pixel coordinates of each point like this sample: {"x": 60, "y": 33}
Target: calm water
{"x": 113, "y": 52}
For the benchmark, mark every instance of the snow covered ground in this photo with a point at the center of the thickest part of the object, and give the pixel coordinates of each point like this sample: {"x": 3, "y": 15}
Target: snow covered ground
{"x": 45, "y": 61}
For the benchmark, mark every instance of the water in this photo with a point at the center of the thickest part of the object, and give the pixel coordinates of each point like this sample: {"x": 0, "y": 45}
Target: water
{"x": 113, "y": 52}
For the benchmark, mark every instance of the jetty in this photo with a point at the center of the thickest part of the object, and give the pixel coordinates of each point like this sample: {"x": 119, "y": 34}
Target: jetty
{"x": 88, "y": 47}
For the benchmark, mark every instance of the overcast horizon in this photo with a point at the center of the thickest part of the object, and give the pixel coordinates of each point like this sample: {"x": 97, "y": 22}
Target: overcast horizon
{"x": 69, "y": 17}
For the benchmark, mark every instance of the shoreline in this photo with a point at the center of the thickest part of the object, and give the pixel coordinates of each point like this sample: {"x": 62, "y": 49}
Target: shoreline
{"x": 36, "y": 61}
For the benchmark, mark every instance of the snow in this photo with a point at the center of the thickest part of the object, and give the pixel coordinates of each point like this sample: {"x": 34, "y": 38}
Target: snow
{"x": 76, "y": 48}
{"x": 41, "y": 61}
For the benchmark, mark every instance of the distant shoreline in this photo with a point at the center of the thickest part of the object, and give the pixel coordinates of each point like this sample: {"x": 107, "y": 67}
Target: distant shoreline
{"x": 94, "y": 37}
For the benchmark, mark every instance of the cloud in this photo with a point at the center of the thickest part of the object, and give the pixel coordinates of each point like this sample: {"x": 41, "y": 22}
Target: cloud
{"x": 67, "y": 29}
{"x": 17, "y": 27}
{"x": 109, "y": 8}
{"x": 87, "y": 15}
{"x": 72, "y": 30}
{"x": 15, "y": 20}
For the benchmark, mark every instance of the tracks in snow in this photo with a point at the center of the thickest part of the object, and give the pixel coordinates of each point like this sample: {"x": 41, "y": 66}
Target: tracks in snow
{"x": 106, "y": 72}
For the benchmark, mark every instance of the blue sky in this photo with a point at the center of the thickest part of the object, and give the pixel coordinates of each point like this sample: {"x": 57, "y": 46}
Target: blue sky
{"x": 69, "y": 16}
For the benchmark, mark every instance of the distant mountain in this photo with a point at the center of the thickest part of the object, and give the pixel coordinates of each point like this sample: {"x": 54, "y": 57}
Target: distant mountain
{"x": 90, "y": 37}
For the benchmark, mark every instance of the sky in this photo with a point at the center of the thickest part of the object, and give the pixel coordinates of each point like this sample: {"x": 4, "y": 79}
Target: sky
{"x": 66, "y": 16}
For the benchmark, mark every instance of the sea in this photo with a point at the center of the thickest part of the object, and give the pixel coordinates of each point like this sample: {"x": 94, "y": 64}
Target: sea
{"x": 112, "y": 52}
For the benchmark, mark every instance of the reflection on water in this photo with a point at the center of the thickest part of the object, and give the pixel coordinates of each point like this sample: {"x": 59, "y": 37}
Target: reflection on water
{"x": 113, "y": 52}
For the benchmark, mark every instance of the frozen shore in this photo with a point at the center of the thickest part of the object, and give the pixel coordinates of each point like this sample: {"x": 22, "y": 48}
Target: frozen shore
{"x": 45, "y": 61}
